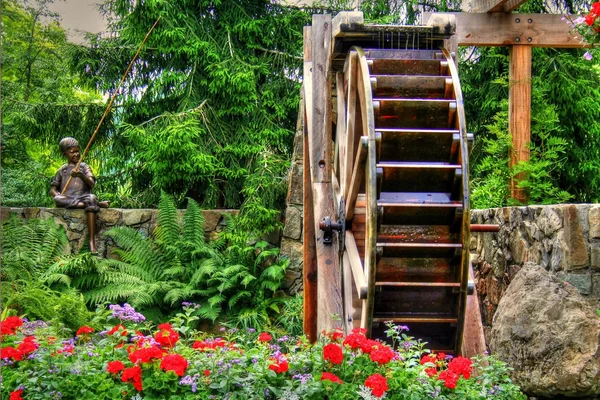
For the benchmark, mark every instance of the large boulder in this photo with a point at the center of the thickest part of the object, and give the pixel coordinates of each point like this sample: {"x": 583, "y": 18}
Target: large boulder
{"x": 549, "y": 334}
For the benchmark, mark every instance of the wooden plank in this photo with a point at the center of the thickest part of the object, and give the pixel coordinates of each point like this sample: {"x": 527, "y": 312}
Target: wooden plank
{"x": 320, "y": 136}
{"x": 357, "y": 177}
{"x": 473, "y": 338}
{"x": 329, "y": 283}
{"x": 356, "y": 266}
{"x": 350, "y": 71}
{"x": 499, "y": 29}
{"x": 340, "y": 165}
{"x": 490, "y": 6}
{"x": 309, "y": 255}
{"x": 346, "y": 17}
{"x": 519, "y": 112}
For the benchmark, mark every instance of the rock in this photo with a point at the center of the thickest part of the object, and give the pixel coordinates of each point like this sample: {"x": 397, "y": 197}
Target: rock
{"x": 136, "y": 217}
{"x": 577, "y": 248}
{"x": 211, "y": 219}
{"x": 110, "y": 216}
{"x": 293, "y": 223}
{"x": 295, "y": 184}
{"x": 594, "y": 221}
{"x": 549, "y": 334}
{"x": 595, "y": 257}
{"x": 31, "y": 212}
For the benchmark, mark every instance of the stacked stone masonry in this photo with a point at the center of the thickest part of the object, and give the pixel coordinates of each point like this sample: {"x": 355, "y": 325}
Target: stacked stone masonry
{"x": 75, "y": 223}
{"x": 563, "y": 239}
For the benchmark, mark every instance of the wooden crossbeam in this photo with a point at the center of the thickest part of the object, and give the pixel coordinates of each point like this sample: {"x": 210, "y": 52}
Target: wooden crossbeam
{"x": 499, "y": 29}
{"x": 490, "y": 6}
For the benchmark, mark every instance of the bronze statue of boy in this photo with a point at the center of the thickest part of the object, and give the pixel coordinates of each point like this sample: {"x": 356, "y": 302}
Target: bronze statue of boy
{"x": 78, "y": 193}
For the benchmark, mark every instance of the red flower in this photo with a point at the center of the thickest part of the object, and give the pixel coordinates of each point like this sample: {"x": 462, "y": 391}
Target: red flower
{"x": 16, "y": 395}
{"x": 145, "y": 354}
{"x": 378, "y": 384}
{"x": 354, "y": 340}
{"x": 596, "y": 8}
{"x": 333, "y": 353}
{"x": 83, "y": 330}
{"x": 431, "y": 358}
{"x": 207, "y": 344}
{"x": 175, "y": 363}
{"x": 368, "y": 345}
{"x": 441, "y": 356}
{"x": 133, "y": 375}
{"x": 206, "y": 372}
{"x": 279, "y": 366}
{"x": 590, "y": 19}
{"x": 431, "y": 371}
{"x": 11, "y": 352}
{"x": 335, "y": 334}
{"x": 28, "y": 345}
{"x": 166, "y": 337}
{"x": 382, "y": 354}
{"x": 116, "y": 328}
{"x": 449, "y": 378}
{"x": 328, "y": 376}
{"x": 114, "y": 367}
{"x": 360, "y": 331}
{"x": 264, "y": 337}
{"x": 10, "y": 325}
{"x": 461, "y": 366}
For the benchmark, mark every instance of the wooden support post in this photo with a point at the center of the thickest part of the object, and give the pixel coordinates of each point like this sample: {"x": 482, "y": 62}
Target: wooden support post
{"x": 309, "y": 278}
{"x": 319, "y": 114}
{"x": 519, "y": 112}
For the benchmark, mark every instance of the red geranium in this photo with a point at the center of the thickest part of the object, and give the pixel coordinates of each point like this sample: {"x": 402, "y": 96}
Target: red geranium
{"x": 16, "y": 395}
{"x": 590, "y": 19}
{"x": 11, "y": 352}
{"x": 431, "y": 371}
{"x": 328, "y": 376}
{"x": 264, "y": 337}
{"x": 28, "y": 345}
{"x": 449, "y": 378}
{"x": 279, "y": 366}
{"x": 175, "y": 363}
{"x": 114, "y": 367}
{"x": 10, "y": 325}
{"x": 207, "y": 344}
{"x": 382, "y": 354}
{"x": 335, "y": 334}
{"x": 133, "y": 375}
{"x": 378, "y": 384}
{"x": 206, "y": 372}
{"x": 596, "y": 8}
{"x": 430, "y": 358}
{"x": 166, "y": 337}
{"x": 367, "y": 345}
{"x": 145, "y": 354}
{"x": 83, "y": 330}
{"x": 461, "y": 366}
{"x": 354, "y": 340}
{"x": 333, "y": 353}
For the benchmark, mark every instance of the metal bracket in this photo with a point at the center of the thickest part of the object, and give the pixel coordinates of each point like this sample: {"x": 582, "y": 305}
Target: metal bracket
{"x": 328, "y": 226}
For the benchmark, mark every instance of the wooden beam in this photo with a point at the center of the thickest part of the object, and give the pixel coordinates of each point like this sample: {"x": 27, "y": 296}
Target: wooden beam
{"x": 490, "y": 6}
{"x": 309, "y": 255}
{"x": 329, "y": 280}
{"x": 498, "y": 29}
{"x": 519, "y": 112}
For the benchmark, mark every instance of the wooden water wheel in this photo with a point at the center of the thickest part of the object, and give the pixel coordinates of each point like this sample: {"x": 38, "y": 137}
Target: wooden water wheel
{"x": 400, "y": 183}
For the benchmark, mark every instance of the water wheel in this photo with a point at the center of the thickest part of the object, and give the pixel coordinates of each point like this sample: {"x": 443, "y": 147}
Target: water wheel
{"x": 400, "y": 162}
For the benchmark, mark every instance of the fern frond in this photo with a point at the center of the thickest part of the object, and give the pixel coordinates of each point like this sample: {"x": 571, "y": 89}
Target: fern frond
{"x": 237, "y": 297}
{"x": 193, "y": 224}
{"x": 167, "y": 229}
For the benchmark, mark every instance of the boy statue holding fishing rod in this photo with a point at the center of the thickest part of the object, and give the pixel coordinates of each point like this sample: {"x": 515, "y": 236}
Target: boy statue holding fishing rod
{"x": 72, "y": 187}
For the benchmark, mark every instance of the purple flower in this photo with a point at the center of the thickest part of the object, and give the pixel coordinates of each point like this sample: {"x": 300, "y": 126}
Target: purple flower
{"x": 588, "y": 56}
{"x": 126, "y": 313}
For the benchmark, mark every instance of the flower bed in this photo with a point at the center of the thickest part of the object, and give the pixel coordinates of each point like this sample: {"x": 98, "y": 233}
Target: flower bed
{"x": 131, "y": 359}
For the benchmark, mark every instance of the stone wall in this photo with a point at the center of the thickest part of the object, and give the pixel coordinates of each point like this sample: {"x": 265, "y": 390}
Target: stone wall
{"x": 563, "y": 239}
{"x": 291, "y": 242}
{"x": 75, "y": 223}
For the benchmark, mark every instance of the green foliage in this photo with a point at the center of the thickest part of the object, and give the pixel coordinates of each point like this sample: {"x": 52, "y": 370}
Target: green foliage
{"x": 155, "y": 274}
{"x": 28, "y": 248}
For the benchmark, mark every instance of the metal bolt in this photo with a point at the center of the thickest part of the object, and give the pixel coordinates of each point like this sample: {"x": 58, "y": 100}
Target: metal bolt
{"x": 517, "y": 20}
{"x": 529, "y": 20}
{"x": 517, "y": 39}
{"x": 529, "y": 39}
